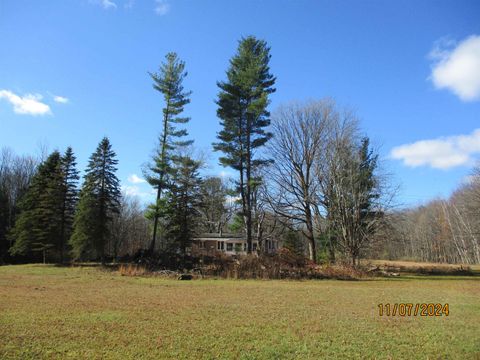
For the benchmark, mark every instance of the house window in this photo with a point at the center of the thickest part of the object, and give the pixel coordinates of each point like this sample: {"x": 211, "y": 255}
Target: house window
{"x": 220, "y": 245}
{"x": 254, "y": 245}
{"x": 202, "y": 245}
{"x": 238, "y": 247}
{"x": 244, "y": 246}
{"x": 229, "y": 247}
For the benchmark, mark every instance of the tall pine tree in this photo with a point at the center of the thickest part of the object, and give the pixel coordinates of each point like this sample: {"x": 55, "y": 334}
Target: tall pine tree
{"x": 184, "y": 200}
{"x": 242, "y": 109}
{"x": 99, "y": 200}
{"x": 39, "y": 222}
{"x": 69, "y": 196}
{"x": 168, "y": 81}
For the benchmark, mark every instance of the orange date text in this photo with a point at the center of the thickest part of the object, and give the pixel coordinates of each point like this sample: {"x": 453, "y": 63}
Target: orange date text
{"x": 410, "y": 309}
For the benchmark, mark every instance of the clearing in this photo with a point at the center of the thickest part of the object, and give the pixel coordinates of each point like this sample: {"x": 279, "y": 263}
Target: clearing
{"x": 86, "y": 312}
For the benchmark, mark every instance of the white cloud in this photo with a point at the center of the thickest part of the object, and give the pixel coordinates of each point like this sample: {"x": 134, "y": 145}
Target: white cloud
{"x": 135, "y": 179}
{"x": 29, "y": 104}
{"x": 442, "y": 153}
{"x": 161, "y": 7}
{"x": 60, "y": 99}
{"x": 457, "y": 68}
{"x": 133, "y": 190}
{"x": 225, "y": 174}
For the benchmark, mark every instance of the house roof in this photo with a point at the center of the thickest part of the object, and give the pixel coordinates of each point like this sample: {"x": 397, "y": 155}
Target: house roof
{"x": 227, "y": 239}
{"x": 223, "y": 236}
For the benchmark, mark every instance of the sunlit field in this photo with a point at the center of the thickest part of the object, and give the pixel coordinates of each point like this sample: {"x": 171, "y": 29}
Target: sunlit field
{"x": 85, "y": 312}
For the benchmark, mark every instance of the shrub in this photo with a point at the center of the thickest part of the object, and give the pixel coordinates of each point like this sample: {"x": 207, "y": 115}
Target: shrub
{"x": 283, "y": 265}
{"x": 132, "y": 270}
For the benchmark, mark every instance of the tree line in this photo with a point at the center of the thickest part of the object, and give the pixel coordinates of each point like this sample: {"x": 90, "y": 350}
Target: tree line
{"x": 442, "y": 230}
{"x": 305, "y": 174}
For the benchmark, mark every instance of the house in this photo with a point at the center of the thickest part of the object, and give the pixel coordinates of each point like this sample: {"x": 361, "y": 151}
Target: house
{"x": 228, "y": 244}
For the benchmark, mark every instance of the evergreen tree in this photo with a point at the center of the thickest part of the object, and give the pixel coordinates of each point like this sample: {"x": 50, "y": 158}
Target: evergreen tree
{"x": 292, "y": 240}
{"x": 368, "y": 185}
{"x": 41, "y": 209}
{"x": 354, "y": 202}
{"x": 4, "y": 216}
{"x": 85, "y": 225}
{"x": 70, "y": 197}
{"x": 184, "y": 199}
{"x": 99, "y": 200}
{"x": 168, "y": 81}
{"x": 242, "y": 108}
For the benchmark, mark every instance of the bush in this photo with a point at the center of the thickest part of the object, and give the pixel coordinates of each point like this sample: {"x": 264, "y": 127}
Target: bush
{"x": 132, "y": 270}
{"x": 285, "y": 264}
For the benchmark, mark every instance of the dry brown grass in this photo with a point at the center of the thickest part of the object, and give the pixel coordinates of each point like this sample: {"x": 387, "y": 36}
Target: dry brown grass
{"x": 133, "y": 270}
{"x": 342, "y": 272}
{"x": 283, "y": 265}
{"x": 423, "y": 268}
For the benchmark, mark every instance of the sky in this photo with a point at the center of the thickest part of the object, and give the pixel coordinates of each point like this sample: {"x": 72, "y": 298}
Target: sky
{"x": 73, "y": 71}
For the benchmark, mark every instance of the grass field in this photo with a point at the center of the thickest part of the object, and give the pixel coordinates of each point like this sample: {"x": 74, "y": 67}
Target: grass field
{"x": 88, "y": 313}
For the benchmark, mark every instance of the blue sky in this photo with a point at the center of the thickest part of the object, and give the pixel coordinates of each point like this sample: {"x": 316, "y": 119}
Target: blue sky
{"x": 73, "y": 71}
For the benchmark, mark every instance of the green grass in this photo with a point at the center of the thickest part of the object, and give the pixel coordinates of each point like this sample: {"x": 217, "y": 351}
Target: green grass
{"x": 87, "y": 313}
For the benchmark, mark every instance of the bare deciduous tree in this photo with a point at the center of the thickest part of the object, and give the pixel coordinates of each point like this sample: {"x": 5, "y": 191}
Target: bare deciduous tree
{"x": 300, "y": 135}
{"x": 16, "y": 173}
{"x": 441, "y": 230}
{"x": 215, "y": 209}
{"x": 130, "y": 230}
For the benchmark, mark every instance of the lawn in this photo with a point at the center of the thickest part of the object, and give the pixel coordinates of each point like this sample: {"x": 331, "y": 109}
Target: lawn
{"x": 88, "y": 313}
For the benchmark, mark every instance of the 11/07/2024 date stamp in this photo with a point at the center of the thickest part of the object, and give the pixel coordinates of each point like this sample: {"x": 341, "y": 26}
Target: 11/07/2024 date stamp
{"x": 410, "y": 309}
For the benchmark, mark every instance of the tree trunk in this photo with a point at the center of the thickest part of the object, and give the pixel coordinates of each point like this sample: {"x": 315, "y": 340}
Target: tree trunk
{"x": 249, "y": 192}
{"x": 312, "y": 252}
{"x": 62, "y": 238}
{"x": 162, "y": 174}
{"x": 312, "y": 248}
{"x": 331, "y": 248}
{"x": 155, "y": 223}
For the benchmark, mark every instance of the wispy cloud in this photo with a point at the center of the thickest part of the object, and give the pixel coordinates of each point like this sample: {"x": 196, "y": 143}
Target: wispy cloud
{"x": 457, "y": 67}
{"x": 106, "y": 4}
{"x": 442, "y": 153}
{"x": 28, "y": 104}
{"x": 129, "y": 4}
{"x": 161, "y": 7}
{"x": 60, "y": 99}
{"x": 135, "y": 179}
